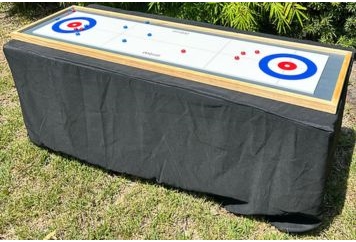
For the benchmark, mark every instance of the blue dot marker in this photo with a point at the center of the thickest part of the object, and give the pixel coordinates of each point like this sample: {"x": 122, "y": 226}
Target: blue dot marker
{"x": 149, "y": 34}
{"x": 124, "y": 40}
{"x": 77, "y": 33}
{"x": 147, "y": 22}
{"x": 125, "y": 27}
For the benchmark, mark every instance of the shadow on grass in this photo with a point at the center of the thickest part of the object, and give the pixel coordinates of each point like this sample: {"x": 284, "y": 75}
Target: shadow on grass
{"x": 35, "y": 10}
{"x": 335, "y": 190}
{"x": 336, "y": 184}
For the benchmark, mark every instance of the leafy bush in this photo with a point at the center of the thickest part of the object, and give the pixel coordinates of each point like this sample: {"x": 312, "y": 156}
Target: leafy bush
{"x": 132, "y": 6}
{"x": 326, "y": 22}
{"x": 331, "y": 23}
{"x": 265, "y": 17}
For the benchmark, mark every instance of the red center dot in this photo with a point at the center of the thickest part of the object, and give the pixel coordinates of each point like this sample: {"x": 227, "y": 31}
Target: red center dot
{"x": 74, "y": 24}
{"x": 243, "y": 53}
{"x": 257, "y": 51}
{"x": 183, "y": 51}
{"x": 286, "y": 65}
{"x": 237, "y": 58}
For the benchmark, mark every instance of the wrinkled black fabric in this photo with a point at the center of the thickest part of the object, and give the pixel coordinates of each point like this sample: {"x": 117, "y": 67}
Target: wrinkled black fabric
{"x": 260, "y": 156}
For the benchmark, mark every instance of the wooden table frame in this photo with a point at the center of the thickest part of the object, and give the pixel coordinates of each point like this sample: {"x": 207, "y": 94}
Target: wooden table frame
{"x": 193, "y": 75}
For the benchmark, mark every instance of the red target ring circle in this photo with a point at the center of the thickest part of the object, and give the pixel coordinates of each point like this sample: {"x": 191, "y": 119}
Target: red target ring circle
{"x": 287, "y": 66}
{"x": 74, "y": 24}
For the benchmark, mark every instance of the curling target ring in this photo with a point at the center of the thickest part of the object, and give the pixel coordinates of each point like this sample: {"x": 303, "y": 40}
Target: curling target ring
{"x": 73, "y": 25}
{"x": 286, "y": 66}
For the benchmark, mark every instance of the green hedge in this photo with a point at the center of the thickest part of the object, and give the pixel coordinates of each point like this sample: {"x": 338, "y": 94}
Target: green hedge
{"x": 326, "y": 22}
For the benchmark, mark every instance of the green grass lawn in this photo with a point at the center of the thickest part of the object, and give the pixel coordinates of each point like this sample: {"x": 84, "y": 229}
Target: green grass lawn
{"x": 46, "y": 195}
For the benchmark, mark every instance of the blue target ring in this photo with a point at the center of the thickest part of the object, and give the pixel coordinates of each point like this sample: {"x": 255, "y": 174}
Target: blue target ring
{"x": 311, "y": 67}
{"x": 56, "y": 26}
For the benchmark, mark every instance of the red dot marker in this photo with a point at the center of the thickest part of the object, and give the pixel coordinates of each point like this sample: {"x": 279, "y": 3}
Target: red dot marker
{"x": 287, "y": 66}
{"x": 257, "y": 51}
{"x": 237, "y": 57}
{"x": 243, "y": 53}
{"x": 183, "y": 51}
{"x": 74, "y": 24}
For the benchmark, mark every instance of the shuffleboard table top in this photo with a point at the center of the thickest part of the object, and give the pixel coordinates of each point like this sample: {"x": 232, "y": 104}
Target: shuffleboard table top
{"x": 301, "y": 74}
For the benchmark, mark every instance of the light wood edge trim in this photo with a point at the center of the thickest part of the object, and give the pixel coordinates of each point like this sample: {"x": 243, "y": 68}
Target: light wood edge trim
{"x": 253, "y": 89}
{"x": 341, "y": 79}
{"x": 263, "y": 40}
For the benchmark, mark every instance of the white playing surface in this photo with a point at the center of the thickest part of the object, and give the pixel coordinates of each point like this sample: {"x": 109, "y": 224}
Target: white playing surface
{"x": 205, "y": 52}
